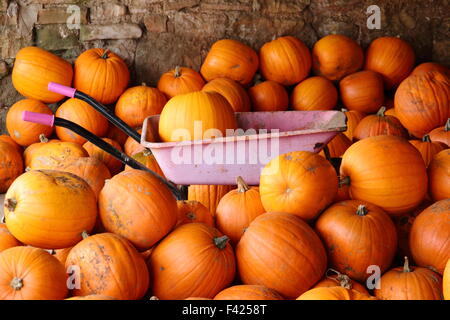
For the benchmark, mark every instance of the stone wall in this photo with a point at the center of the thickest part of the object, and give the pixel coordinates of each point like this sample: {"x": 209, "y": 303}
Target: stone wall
{"x": 155, "y": 35}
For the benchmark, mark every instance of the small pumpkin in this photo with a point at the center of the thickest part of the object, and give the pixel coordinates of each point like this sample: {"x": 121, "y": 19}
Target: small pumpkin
{"x": 302, "y": 183}
{"x": 266, "y": 244}
{"x": 269, "y": 96}
{"x": 231, "y": 90}
{"x": 353, "y": 118}
{"x": 83, "y": 114}
{"x": 11, "y": 165}
{"x": 409, "y": 283}
{"x": 180, "y": 80}
{"x": 40, "y": 199}
{"x": 7, "y": 240}
{"x": 430, "y": 66}
{"x": 439, "y": 176}
{"x": 34, "y": 68}
{"x": 237, "y": 209}
{"x": 231, "y": 59}
{"x": 208, "y": 195}
{"x": 337, "y": 146}
{"x": 147, "y": 159}
{"x": 109, "y": 265}
{"x": 427, "y": 148}
{"x": 286, "y": 60}
{"x": 248, "y": 292}
{"x": 334, "y": 293}
{"x": 114, "y": 165}
{"x": 194, "y": 260}
{"x": 24, "y": 132}
{"x": 336, "y": 56}
{"x": 314, "y": 93}
{"x": 6, "y": 138}
{"x": 193, "y": 211}
{"x": 54, "y": 149}
{"x": 340, "y": 280}
{"x": 132, "y": 147}
{"x": 101, "y": 74}
{"x": 441, "y": 134}
{"x": 362, "y": 91}
{"x": 391, "y": 57}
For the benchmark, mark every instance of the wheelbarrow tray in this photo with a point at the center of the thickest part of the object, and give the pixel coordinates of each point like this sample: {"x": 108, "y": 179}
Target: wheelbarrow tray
{"x": 221, "y": 160}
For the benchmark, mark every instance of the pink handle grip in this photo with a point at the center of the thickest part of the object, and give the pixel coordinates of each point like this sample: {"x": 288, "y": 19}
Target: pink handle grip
{"x": 41, "y": 118}
{"x": 61, "y": 89}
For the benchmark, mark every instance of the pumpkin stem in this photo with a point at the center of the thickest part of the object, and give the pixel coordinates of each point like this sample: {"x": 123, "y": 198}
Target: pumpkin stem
{"x": 343, "y": 279}
{"x": 274, "y": 37}
{"x": 344, "y": 110}
{"x": 177, "y": 72}
{"x": 426, "y": 138}
{"x": 105, "y": 54}
{"x": 143, "y": 84}
{"x": 16, "y": 283}
{"x": 52, "y": 252}
{"x": 447, "y": 125}
{"x": 344, "y": 181}
{"x": 362, "y": 210}
{"x": 406, "y": 267}
{"x": 153, "y": 298}
{"x": 11, "y": 204}
{"x": 147, "y": 152}
{"x": 221, "y": 242}
{"x": 43, "y": 138}
{"x": 381, "y": 112}
{"x": 84, "y": 234}
{"x": 242, "y": 185}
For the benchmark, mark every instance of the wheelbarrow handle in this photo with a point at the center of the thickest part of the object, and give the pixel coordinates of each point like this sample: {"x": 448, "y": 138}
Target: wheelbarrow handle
{"x": 74, "y": 93}
{"x": 51, "y": 120}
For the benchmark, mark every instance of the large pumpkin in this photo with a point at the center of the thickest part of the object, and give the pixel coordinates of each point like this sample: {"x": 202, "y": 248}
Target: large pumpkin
{"x": 429, "y": 235}
{"x": 315, "y": 93}
{"x": 441, "y": 134}
{"x": 386, "y": 171}
{"x": 286, "y": 60}
{"x": 353, "y": 118}
{"x": 231, "y": 59}
{"x": 379, "y": 124}
{"x": 269, "y": 96}
{"x": 28, "y": 273}
{"x": 83, "y": 114}
{"x": 439, "y": 176}
{"x": 362, "y": 91}
{"x": 180, "y": 80}
{"x": 335, "y": 56}
{"x": 237, "y": 209}
{"x": 101, "y": 74}
{"x": 23, "y": 132}
{"x": 409, "y": 283}
{"x": 11, "y": 165}
{"x": 427, "y": 148}
{"x": 7, "y": 240}
{"x": 43, "y": 200}
{"x": 422, "y": 102}
{"x": 248, "y": 292}
{"x": 235, "y": 94}
{"x": 430, "y": 66}
{"x": 114, "y": 165}
{"x": 208, "y": 195}
{"x": 334, "y": 293}
{"x": 108, "y": 265}
{"x": 446, "y": 281}
{"x": 193, "y": 211}
{"x": 195, "y": 260}
{"x": 356, "y": 235}
{"x": 192, "y": 115}
{"x": 302, "y": 183}
{"x": 137, "y": 206}
{"x": 392, "y": 57}
{"x": 34, "y": 68}
{"x": 341, "y": 280}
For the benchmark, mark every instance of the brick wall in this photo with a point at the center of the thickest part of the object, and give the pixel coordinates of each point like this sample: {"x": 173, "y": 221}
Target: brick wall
{"x": 155, "y": 35}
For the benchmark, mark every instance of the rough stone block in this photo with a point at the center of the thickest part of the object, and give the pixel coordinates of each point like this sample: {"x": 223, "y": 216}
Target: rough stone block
{"x": 56, "y": 37}
{"x": 179, "y": 4}
{"x": 156, "y": 23}
{"x": 111, "y": 31}
{"x": 57, "y": 15}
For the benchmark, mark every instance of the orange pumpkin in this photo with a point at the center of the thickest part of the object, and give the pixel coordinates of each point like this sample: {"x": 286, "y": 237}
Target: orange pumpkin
{"x": 24, "y": 132}
{"x": 341, "y": 280}
{"x": 53, "y": 149}
{"x": 147, "y": 159}
{"x": 315, "y": 93}
{"x": 132, "y": 147}
{"x": 446, "y": 281}
{"x": 427, "y": 148}
{"x": 334, "y": 293}
{"x": 248, "y": 292}
{"x": 231, "y": 59}
{"x": 428, "y": 238}
{"x": 32, "y": 149}
{"x": 83, "y": 114}
{"x": 193, "y": 211}
{"x": 335, "y": 56}
{"x": 116, "y": 134}
{"x": 11, "y": 165}
{"x": 43, "y": 199}
{"x": 409, "y": 283}
{"x": 362, "y": 91}
{"x": 286, "y": 60}
{"x": 269, "y": 96}
{"x": 7, "y": 139}
{"x": 379, "y": 124}
{"x": 391, "y": 57}
{"x": 61, "y": 254}
{"x": 137, "y": 206}
{"x": 101, "y": 74}
{"x": 208, "y": 195}
{"x": 231, "y": 90}
{"x": 266, "y": 244}
{"x": 7, "y": 240}
{"x": 353, "y": 118}
{"x": 28, "y": 273}
{"x": 194, "y": 260}
{"x": 439, "y": 175}
{"x": 196, "y": 116}
{"x": 386, "y": 171}
{"x": 302, "y": 183}
{"x": 421, "y": 102}
{"x": 337, "y": 146}
{"x": 237, "y": 209}
{"x": 34, "y": 68}
{"x": 180, "y": 80}
{"x": 441, "y": 134}
{"x": 114, "y": 165}
{"x": 109, "y": 265}
{"x": 430, "y": 66}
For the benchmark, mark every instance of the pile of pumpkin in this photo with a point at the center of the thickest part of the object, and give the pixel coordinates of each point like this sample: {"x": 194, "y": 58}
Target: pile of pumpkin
{"x": 76, "y": 219}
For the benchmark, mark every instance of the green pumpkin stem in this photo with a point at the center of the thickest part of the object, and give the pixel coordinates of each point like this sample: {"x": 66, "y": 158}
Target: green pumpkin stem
{"x": 381, "y": 112}
{"x": 105, "y": 54}
{"x": 447, "y": 125}
{"x": 43, "y": 138}
{"x": 362, "y": 210}
{"x": 345, "y": 181}
{"x": 221, "y": 242}
{"x": 242, "y": 186}
{"x": 406, "y": 267}
{"x": 343, "y": 279}
{"x": 177, "y": 72}
{"x": 16, "y": 283}
{"x": 11, "y": 204}
{"x": 426, "y": 138}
